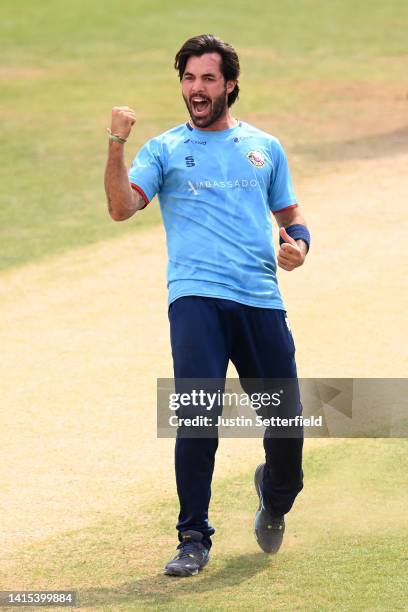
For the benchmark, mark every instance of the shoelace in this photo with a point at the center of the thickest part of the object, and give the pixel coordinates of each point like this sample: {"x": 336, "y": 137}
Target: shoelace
{"x": 187, "y": 549}
{"x": 275, "y": 524}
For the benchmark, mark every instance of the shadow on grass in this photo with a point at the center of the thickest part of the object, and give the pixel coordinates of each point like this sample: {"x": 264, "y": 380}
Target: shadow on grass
{"x": 369, "y": 147}
{"x": 160, "y": 589}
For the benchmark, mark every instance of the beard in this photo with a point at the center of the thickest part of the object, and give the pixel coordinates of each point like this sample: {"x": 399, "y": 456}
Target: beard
{"x": 217, "y": 107}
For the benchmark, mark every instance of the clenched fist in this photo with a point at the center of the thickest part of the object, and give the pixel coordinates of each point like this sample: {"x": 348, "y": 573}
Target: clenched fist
{"x": 123, "y": 118}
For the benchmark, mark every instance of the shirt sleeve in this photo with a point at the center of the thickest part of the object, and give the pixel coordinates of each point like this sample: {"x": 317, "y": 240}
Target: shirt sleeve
{"x": 146, "y": 171}
{"x": 281, "y": 192}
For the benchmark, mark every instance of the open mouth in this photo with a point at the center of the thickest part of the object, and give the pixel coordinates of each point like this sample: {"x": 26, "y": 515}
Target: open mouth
{"x": 200, "y": 105}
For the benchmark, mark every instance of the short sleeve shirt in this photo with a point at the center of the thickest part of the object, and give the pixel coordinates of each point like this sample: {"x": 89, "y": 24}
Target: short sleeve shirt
{"x": 217, "y": 190}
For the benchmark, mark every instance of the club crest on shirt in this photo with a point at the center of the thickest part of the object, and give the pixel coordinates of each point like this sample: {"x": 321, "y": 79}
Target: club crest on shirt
{"x": 256, "y": 158}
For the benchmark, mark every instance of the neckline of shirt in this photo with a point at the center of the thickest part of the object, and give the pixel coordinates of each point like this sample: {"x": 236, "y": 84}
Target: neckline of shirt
{"x": 206, "y": 133}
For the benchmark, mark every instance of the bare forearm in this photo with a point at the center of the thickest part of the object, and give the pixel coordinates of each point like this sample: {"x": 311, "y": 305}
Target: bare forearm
{"x": 123, "y": 201}
{"x": 290, "y": 217}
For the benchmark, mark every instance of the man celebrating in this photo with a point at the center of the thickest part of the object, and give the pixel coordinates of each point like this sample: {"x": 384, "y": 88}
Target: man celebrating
{"x": 218, "y": 180}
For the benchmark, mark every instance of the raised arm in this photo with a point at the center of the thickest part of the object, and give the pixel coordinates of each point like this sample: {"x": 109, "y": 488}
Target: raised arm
{"x": 123, "y": 201}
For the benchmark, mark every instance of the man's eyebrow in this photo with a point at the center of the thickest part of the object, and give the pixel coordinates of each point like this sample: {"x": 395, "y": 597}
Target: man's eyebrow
{"x": 207, "y": 74}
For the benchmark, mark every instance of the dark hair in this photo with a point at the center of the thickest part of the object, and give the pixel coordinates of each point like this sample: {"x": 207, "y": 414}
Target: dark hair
{"x": 207, "y": 43}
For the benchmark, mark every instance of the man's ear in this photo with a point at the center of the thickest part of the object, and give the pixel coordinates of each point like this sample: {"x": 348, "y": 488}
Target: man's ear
{"x": 231, "y": 86}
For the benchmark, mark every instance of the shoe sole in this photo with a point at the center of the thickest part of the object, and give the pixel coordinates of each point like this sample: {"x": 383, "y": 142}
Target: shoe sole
{"x": 257, "y": 481}
{"x": 180, "y": 573}
{"x": 257, "y": 487}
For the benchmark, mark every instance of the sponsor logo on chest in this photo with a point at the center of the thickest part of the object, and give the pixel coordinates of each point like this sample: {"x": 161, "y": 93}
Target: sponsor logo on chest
{"x": 237, "y": 183}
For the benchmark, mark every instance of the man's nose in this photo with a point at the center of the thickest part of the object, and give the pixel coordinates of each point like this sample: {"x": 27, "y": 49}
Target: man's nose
{"x": 198, "y": 86}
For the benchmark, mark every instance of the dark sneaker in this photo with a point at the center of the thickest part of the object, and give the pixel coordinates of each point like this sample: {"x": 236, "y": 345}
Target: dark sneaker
{"x": 191, "y": 558}
{"x": 269, "y": 529}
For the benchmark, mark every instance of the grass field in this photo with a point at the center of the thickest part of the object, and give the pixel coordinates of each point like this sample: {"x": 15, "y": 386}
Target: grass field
{"x": 344, "y": 550}
{"x": 88, "y": 494}
{"x": 322, "y": 75}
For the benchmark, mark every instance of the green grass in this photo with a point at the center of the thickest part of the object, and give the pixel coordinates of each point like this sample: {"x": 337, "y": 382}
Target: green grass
{"x": 65, "y": 64}
{"x": 345, "y": 547}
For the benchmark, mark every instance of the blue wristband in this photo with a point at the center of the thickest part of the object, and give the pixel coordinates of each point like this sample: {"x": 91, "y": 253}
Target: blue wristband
{"x": 297, "y": 232}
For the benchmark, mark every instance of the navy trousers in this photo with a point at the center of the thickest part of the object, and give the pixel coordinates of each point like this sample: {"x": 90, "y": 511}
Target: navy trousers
{"x": 205, "y": 334}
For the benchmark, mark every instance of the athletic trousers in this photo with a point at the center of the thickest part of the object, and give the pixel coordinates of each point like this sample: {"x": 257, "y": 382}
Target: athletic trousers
{"x": 205, "y": 334}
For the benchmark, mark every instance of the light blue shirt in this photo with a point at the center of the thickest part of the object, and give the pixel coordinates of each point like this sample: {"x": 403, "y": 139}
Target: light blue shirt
{"x": 216, "y": 191}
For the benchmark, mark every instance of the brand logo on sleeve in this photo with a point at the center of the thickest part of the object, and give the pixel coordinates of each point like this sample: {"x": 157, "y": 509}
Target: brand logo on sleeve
{"x": 256, "y": 158}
